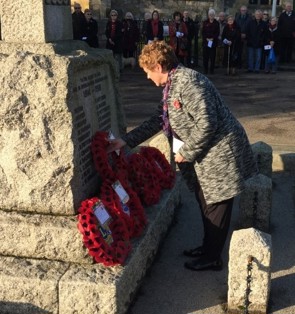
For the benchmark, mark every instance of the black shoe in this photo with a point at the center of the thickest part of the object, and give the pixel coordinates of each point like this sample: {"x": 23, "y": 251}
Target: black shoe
{"x": 196, "y": 252}
{"x": 204, "y": 263}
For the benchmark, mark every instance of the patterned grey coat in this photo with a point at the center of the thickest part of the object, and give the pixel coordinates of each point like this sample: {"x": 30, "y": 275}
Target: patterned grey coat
{"x": 215, "y": 144}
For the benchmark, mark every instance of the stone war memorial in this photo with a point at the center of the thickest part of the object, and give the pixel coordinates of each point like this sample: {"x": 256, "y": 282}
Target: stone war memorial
{"x": 55, "y": 94}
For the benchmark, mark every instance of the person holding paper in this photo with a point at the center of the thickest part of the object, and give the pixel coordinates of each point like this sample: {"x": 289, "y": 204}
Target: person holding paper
{"x": 210, "y": 33}
{"x": 256, "y": 36}
{"x": 211, "y": 147}
{"x": 273, "y": 38}
{"x": 178, "y": 36}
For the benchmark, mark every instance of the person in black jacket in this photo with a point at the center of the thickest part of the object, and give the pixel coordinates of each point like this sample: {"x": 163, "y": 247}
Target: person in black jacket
{"x": 210, "y": 33}
{"x": 286, "y": 25}
{"x": 273, "y": 38}
{"x": 130, "y": 36}
{"x": 154, "y": 29}
{"x": 190, "y": 35}
{"x": 114, "y": 34}
{"x": 231, "y": 38}
{"x": 242, "y": 19}
{"x": 78, "y": 21}
{"x": 91, "y": 29}
{"x": 256, "y": 36}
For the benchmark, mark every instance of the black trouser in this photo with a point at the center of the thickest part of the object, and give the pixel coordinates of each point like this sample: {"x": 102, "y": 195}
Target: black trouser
{"x": 286, "y": 49}
{"x": 216, "y": 220}
{"x": 209, "y": 54}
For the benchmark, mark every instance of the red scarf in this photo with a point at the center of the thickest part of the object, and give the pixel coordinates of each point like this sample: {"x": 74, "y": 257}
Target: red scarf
{"x": 113, "y": 29}
{"x": 155, "y": 25}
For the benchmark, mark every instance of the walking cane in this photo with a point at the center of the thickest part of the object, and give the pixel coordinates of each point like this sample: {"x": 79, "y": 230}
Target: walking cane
{"x": 228, "y": 56}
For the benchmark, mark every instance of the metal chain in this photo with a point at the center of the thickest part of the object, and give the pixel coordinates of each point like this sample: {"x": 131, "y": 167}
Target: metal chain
{"x": 255, "y": 206}
{"x": 248, "y": 279}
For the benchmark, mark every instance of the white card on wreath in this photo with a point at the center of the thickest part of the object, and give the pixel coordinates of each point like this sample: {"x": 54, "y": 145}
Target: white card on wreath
{"x": 124, "y": 197}
{"x": 101, "y": 213}
{"x": 112, "y": 137}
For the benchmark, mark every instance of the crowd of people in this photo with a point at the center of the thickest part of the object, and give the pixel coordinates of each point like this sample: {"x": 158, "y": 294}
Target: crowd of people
{"x": 252, "y": 41}
{"x": 256, "y": 42}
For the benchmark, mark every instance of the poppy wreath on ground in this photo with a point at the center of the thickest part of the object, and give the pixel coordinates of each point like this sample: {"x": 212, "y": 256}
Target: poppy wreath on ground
{"x": 132, "y": 212}
{"x": 108, "y": 244}
{"x": 164, "y": 172}
{"x": 143, "y": 179}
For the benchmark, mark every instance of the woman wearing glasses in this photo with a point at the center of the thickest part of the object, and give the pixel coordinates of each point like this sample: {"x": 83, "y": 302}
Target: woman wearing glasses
{"x": 114, "y": 34}
{"x": 78, "y": 20}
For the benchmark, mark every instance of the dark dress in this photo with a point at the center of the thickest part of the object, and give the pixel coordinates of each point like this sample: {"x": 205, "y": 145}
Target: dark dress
{"x": 149, "y": 31}
{"x": 115, "y": 32}
{"x": 130, "y": 38}
{"x": 233, "y": 34}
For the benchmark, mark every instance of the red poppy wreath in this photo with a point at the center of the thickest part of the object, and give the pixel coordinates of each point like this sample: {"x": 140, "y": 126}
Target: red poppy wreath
{"x": 160, "y": 165}
{"x": 105, "y": 235}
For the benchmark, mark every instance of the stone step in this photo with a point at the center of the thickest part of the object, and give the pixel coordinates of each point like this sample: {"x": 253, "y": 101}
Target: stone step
{"x": 29, "y": 286}
{"x": 41, "y": 237}
{"x": 32, "y": 286}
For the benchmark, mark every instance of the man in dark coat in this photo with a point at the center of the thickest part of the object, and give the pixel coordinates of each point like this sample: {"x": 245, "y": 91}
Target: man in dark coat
{"x": 190, "y": 35}
{"x": 242, "y": 19}
{"x": 256, "y": 37}
{"x": 286, "y": 25}
{"x": 79, "y": 22}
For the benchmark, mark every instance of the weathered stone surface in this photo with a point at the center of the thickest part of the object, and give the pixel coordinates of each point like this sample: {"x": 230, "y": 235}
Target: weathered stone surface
{"x": 95, "y": 289}
{"x": 263, "y": 156}
{"x": 256, "y": 202}
{"x": 33, "y": 21}
{"x": 42, "y": 237}
{"x": 29, "y": 286}
{"x": 51, "y": 105}
{"x": 244, "y": 243}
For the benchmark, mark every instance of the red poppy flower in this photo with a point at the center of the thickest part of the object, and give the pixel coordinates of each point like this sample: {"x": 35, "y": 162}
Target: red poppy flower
{"x": 177, "y": 104}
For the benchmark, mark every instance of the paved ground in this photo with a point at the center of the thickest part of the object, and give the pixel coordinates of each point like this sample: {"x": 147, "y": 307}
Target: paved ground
{"x": 264, "y": 104}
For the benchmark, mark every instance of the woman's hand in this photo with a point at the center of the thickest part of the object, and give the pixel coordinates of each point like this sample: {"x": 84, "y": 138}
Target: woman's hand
{"x": 115, "y": 144}
{"x": 179, "y": 158}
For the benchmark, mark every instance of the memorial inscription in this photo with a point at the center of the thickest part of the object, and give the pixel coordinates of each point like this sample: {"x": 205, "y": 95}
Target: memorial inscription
{"x": 89, "y": 93}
